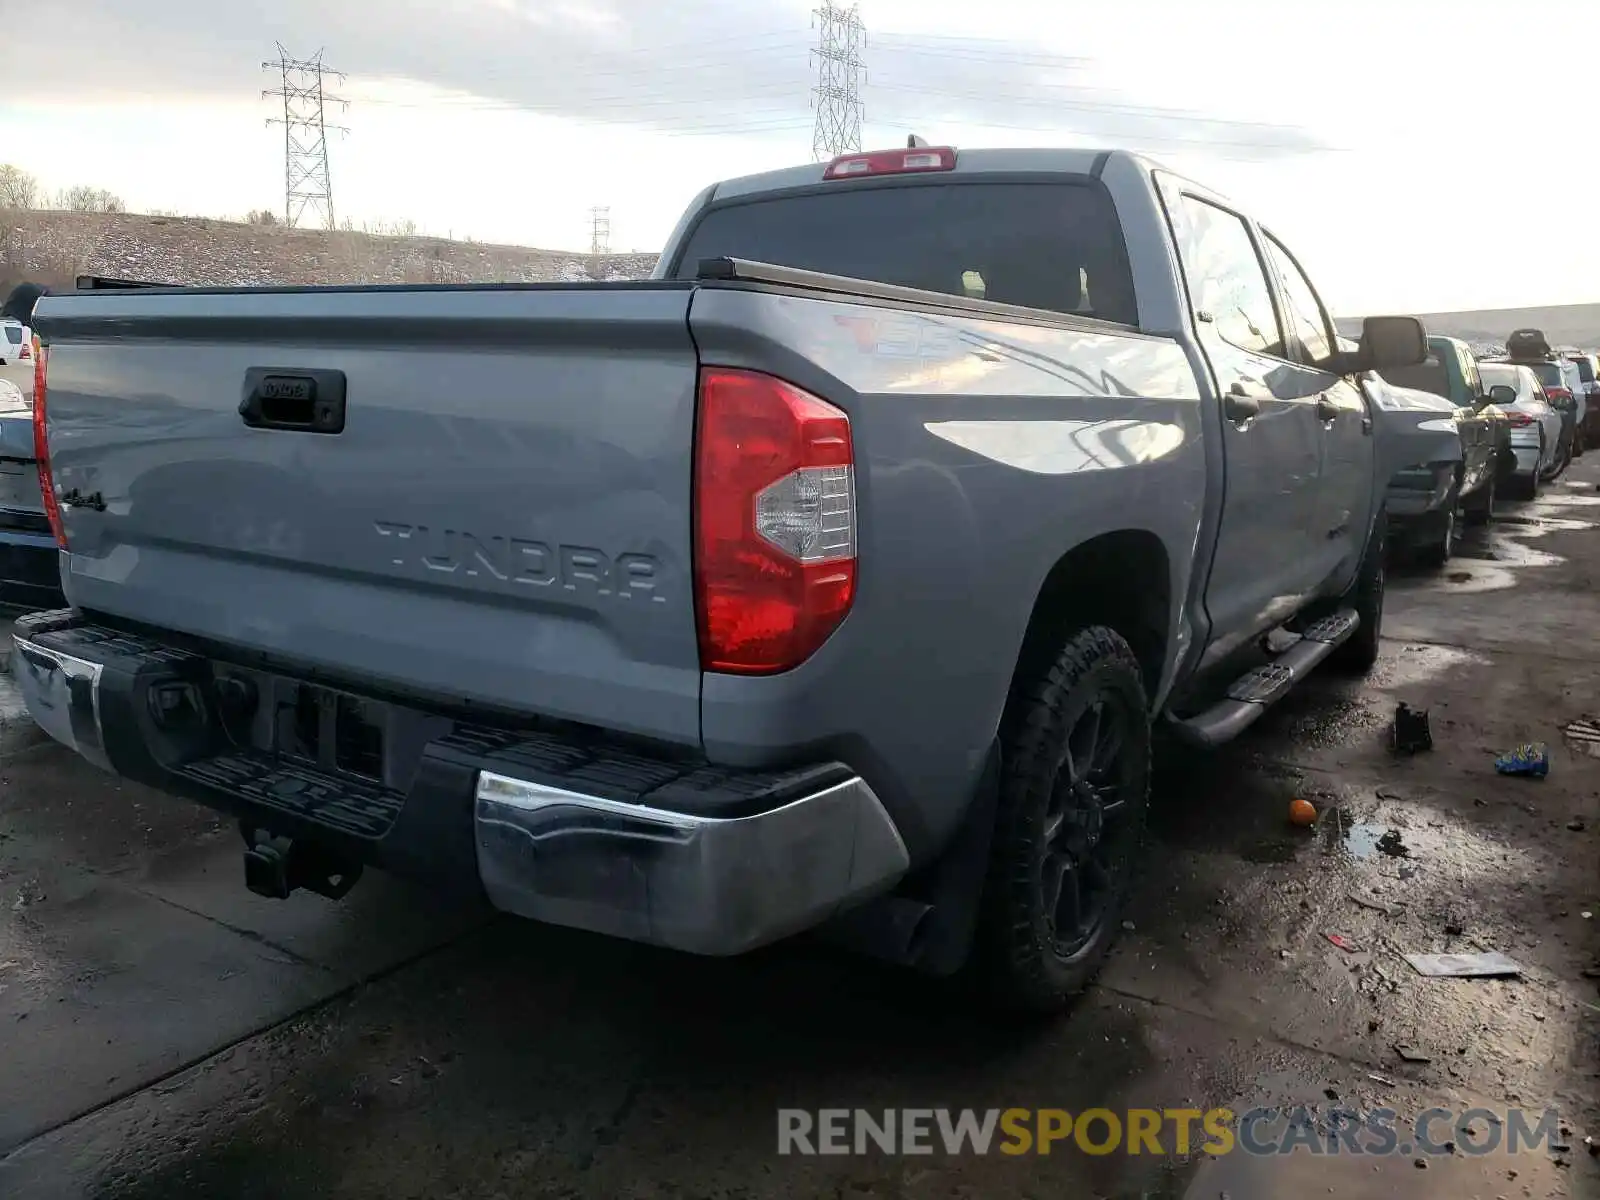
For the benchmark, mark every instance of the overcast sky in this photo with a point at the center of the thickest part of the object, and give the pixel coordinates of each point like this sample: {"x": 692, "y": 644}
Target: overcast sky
{"x": 1379, "y": 138}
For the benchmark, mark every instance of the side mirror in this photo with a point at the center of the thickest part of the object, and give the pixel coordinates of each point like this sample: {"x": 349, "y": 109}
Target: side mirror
{"x": 1390, "y": 342}
{"x": 1502, "y": 393}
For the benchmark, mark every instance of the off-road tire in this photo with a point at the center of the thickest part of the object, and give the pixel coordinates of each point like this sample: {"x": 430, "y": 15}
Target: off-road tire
{"x": 1359, "y": 654}
{"x": 1017, "y": 961}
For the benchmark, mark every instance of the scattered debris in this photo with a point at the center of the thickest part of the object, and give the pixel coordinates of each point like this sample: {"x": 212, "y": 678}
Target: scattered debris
{"x": 1410, "y": 733}
{"x": 1454, "y": 929}
{"x": 1391, "y": 845}
{"x": 1412, "y": 1055}
{"x": 1388, "y": 910}
{"x": 1464, "y": 966}
{"x": 1383, "y": 1079}
{"x": 1530, "y": 760}
{"x": 1577, "y": 826}
{"x": 1302, "y": 813}
{"x": 1128, "y": 926}
{"x": 1344, "y": 943}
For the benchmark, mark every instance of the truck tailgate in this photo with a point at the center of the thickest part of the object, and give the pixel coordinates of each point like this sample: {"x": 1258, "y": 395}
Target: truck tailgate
{"x": 503, "y": 520}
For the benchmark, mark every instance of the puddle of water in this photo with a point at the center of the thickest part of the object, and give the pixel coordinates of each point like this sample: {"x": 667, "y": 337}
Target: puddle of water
{"x": 1473, "y": 576}
{"x": 1419, "y": 664}
{"x": 1511, "y": 554}
{"x": 1536, "y": 526}
{"x": 1584, "y": 736}
{"x": 1365, "y": 840}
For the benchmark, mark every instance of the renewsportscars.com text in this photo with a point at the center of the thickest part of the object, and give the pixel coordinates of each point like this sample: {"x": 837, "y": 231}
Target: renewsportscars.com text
{"x": 1176, "y": 1131}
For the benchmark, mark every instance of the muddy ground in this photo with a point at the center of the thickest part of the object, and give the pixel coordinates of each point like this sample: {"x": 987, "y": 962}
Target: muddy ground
{"x": 164, "y": 1034}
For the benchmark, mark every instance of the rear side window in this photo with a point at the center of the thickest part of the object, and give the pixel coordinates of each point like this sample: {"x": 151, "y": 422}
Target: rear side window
{"x": 1056, "y": 246}
{"x": 1549, "y": 373}
{"x": 1585, "y": 369}
{"x": 14, "y": 334}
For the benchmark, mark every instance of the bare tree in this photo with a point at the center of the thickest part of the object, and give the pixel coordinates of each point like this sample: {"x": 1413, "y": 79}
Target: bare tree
{"x": 85, "y": 199}
{"x": 261, "y": 216}
{"x": 18, "y": 189}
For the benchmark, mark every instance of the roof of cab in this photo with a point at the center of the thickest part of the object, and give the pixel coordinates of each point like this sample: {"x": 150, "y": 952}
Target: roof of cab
{"x": 1065, "y": 161}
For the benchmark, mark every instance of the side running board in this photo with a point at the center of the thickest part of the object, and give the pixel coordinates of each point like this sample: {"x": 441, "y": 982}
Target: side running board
{"x": 1261, "y": 687}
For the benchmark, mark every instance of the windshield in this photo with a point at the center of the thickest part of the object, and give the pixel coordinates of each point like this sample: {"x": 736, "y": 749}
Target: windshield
{"x": 1055, "y": 246}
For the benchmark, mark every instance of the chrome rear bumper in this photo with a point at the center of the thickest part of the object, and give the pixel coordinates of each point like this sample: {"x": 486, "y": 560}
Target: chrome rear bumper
{"x": 702, "y": 884}
{"x": 791, "y": 850}
{"x": 63, "y": 697}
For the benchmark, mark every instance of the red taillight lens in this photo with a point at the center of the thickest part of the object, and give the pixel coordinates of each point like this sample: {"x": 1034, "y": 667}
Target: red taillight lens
{"x": 892, "y": 162}
{"x": 1519, "y": 419}
{"x": 41, "y": 448}
{"x": 1557, "y": 393}
{"x": 26, "y": 353}
{"x": 774, "y": 517}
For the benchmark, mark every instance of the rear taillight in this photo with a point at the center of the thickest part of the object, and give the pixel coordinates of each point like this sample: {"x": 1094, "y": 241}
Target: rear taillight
{"x": 774, "y": 517}
{"x": 1519, "y": 419}
{"x": 1557, "y": 393}
{"x": 41, "y": 448}
{"x": 892, "y": 162}
{"x": 25, "y": 352}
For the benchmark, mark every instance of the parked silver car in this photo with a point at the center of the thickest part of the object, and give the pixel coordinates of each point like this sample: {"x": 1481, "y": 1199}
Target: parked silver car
{"x": 1535, "y": 424}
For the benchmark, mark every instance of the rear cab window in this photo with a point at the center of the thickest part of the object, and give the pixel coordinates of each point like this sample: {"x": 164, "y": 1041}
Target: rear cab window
{"x": 14, "y": 334}
{"x": 1055, "y": 245}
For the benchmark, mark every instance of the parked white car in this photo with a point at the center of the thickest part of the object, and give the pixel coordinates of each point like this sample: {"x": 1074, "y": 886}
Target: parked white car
{"x": 16, "y": 342}
{"x": 1535, "y": 424}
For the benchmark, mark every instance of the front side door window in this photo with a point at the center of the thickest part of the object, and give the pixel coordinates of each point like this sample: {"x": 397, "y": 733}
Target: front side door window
{"x": 1227, "y": 284}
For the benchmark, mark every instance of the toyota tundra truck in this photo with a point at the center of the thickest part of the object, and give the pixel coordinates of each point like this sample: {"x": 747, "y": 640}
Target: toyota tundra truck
{"x": 835, "y": 578}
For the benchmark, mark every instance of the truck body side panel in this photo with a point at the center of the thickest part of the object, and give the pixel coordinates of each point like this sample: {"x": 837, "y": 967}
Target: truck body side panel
{"x": 986, "y": 450}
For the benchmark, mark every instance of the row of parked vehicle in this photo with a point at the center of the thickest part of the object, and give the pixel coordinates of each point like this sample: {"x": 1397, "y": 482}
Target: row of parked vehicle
{"x": 1523, "y": 416}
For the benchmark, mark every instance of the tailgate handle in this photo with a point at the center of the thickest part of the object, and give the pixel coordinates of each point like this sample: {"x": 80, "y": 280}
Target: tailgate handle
{"x": 296, "y": 399}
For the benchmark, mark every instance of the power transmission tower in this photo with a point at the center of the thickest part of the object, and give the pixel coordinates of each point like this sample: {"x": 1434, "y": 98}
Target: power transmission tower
{"x": 306, "y": 182}
{"x": 599, "y": 230}
{"x": 837, "y": 98}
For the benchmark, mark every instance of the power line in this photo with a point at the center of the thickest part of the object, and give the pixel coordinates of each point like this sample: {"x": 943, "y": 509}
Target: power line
{"x": 599, "y": 230}
{"x": 307, "y": 183}
{"x": 837, "y": 96}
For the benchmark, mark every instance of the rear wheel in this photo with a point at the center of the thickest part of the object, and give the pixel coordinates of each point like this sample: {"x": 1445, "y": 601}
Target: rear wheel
{"x": 1074, "y": 793}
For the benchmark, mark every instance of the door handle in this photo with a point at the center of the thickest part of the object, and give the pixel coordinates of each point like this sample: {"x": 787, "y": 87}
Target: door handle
{"x": 1242, "y": 402}
{"x": 1327, "y": 410}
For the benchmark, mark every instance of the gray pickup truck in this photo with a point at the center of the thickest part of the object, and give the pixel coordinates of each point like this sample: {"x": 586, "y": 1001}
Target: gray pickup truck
{"x": 837, "y": 577}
